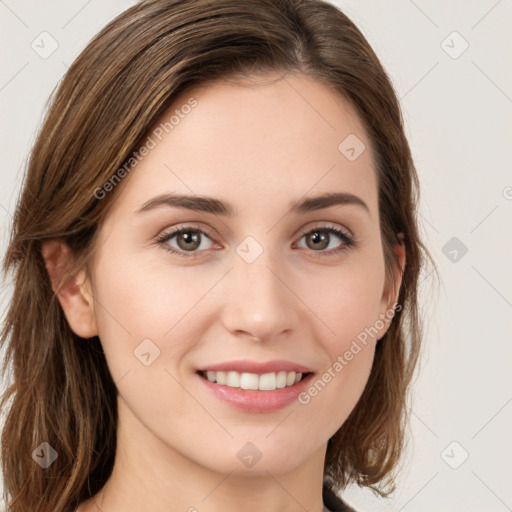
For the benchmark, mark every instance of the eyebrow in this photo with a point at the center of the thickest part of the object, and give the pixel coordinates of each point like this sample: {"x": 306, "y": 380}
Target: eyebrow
{"x": 218, "y": 207}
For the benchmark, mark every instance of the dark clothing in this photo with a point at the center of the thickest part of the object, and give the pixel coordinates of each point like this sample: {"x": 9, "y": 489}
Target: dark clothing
{"x": 332, "y": 502}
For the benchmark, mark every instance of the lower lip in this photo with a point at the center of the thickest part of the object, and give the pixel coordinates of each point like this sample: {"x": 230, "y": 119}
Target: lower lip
{"x": 252, "y": 400}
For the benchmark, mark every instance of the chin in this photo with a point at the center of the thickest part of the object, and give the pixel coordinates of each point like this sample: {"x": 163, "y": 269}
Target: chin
{"x": 259, "y": 458}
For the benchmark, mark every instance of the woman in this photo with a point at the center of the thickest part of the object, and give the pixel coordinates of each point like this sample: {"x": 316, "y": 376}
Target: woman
{"x": 178, "y": 341}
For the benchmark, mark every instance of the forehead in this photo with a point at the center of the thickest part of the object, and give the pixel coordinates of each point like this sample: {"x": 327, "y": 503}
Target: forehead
{"x": 246, "y": 142}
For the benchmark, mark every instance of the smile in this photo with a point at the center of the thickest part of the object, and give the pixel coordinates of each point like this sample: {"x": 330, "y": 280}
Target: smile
{"x": 253, "y": 392}
{"x": 264, "y": 382}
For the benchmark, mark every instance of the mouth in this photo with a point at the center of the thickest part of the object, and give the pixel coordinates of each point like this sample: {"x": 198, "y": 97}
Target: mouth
{"x": 270, "y": 381}
{"x": 256, "y": 392}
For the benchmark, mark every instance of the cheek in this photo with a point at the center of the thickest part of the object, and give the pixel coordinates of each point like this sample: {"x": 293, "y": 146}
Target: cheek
{"x": 347, "y": 304}
{"x": 144, "y": 304}
{"x": 145, "y": 330}
{"x": 347, "y": 300}
{"x": 135, "y": 302}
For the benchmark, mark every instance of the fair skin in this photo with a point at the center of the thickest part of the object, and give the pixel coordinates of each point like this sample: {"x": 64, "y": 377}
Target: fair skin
{"x": 262, "y": 149}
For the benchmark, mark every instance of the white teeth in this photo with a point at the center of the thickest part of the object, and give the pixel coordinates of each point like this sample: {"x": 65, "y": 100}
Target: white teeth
{"x": 248, "y": 381}
{"x": 264, "y": 382}
{"x": 281, "y": 379}
{"x": 267, "y": 382}
{"x": 233, "y": 379}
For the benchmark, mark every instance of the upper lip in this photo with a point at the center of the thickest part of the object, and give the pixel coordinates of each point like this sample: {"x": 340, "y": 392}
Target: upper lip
{"x": 246, "y": 366}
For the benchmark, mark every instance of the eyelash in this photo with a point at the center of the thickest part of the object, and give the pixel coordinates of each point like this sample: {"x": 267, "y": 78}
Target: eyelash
{"x": 348, "y": 242}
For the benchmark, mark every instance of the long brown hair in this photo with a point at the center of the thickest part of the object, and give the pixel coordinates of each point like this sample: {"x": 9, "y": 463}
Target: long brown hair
{"x": 61, "y": 391}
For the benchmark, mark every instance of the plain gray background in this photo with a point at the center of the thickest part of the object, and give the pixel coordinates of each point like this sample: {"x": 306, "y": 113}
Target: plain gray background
{"x": 450, "y": 64}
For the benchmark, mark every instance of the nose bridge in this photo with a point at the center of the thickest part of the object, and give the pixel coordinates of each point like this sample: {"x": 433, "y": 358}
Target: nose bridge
{"x": 258, "y": 301}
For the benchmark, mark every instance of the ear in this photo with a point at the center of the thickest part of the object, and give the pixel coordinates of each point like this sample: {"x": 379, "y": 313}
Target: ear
{"x": 392, "y": 288}
{"x": 73, "y": 291}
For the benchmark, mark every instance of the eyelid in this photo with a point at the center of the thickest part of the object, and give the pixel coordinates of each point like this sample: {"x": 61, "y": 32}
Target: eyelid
{"x": 303, "y": 231}
{"x": 318, "y": 225}
{"x": 344, "y": 234}
{"x": 167, "y": 234}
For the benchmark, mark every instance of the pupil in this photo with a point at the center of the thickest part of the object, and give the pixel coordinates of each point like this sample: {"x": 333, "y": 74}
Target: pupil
{"x": 319, "y": 237}
{"x": 190, "y": 238}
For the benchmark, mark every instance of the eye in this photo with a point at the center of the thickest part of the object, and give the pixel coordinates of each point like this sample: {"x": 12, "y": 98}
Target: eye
{"x": 188, "y": 239}
{"x": 320, "y": 238}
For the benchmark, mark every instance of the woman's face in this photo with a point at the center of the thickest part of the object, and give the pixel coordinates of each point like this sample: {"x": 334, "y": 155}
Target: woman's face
{"x": 256, "y": 280}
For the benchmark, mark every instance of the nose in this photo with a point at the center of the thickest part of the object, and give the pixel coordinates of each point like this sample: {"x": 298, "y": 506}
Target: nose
{"x": 260, "y": 302}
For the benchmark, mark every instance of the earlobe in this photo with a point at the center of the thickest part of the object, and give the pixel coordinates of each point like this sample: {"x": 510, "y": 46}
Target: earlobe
{"x": 73, "y": 291}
